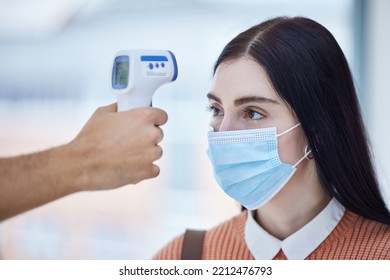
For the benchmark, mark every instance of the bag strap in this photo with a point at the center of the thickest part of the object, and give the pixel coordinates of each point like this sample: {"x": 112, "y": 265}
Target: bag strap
{"x": 193, "y": 244}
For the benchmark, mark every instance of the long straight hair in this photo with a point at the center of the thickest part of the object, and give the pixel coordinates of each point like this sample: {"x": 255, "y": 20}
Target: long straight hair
{"x": 308, "y": 69}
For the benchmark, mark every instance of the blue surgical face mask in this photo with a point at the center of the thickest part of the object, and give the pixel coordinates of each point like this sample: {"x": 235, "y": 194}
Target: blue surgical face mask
{"x": 246, "y": 164}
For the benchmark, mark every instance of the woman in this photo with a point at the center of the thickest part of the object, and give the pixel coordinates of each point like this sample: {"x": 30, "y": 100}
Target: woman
{"x": 290, "y": 146}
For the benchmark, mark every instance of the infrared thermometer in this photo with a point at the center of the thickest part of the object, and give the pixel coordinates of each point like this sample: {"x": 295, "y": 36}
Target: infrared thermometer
{"x": 137, "y": 74}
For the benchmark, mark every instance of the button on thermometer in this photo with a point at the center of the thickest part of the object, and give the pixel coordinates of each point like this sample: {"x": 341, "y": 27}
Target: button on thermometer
{"x": 137, "y": 74}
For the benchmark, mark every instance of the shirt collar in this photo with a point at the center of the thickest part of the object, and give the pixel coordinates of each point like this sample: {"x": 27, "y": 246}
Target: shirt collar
{"x": 300, "y": 244}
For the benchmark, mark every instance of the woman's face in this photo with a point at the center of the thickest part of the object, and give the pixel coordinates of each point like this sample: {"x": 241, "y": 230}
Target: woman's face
{"x": 242, "y": 97}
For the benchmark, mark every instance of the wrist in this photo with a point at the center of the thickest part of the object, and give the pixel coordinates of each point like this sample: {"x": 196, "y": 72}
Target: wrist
{"x": 74, "y": 166}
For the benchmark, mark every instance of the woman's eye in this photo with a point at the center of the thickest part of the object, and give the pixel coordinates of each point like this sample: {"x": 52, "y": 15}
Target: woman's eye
{"x": 253, "y": 115}
{"x": 215, "y": 111}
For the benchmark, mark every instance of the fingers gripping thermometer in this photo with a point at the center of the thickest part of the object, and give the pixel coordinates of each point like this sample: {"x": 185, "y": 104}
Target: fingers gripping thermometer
{"x": 137, "y": 74}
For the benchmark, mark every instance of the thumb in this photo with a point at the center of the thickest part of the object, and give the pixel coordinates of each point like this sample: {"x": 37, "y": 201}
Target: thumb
{"x": 112, "y": 108}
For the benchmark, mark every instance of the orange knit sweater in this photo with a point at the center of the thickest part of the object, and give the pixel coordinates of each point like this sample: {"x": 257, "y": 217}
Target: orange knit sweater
{"x": 353, "y": 238}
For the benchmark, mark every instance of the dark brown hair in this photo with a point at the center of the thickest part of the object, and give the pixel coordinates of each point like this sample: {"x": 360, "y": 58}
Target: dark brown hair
{"x": 308, "y": 69}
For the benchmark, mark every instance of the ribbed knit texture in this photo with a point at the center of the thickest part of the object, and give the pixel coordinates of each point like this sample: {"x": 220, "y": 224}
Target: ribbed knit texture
{"x": 354, "y": 238}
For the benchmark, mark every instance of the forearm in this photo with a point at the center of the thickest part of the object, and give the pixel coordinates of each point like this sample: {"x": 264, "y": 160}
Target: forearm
{"x": 29, "y": 181}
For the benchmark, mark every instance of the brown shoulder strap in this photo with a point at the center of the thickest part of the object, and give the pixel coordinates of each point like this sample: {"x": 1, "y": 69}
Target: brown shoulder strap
{"x": 193, "y": 245}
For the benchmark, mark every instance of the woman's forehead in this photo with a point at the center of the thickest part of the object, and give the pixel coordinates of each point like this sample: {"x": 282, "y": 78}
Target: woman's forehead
{"x": 242, "y": 77}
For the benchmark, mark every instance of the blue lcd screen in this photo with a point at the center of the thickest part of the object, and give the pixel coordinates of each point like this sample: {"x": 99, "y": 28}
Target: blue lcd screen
{"x": 120, "y": 72}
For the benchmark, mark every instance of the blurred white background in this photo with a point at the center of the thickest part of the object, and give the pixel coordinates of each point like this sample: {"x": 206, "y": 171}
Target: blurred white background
{"x": 55, "y": 63}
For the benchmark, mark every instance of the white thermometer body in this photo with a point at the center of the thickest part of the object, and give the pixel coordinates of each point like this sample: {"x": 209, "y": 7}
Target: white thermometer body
{"x": 137, "y": 74}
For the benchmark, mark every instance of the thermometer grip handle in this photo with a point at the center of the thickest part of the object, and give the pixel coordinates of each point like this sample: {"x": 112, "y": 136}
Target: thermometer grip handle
{"x": 132, "y": 101}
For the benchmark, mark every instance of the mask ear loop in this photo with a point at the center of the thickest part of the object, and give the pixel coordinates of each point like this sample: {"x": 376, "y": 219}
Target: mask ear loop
{"x": 288, "y": 130}
{"x": 307, "y": 152}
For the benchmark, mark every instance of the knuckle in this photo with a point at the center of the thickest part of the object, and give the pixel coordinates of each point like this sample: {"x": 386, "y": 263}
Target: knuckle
{"x": 160, "y": 135}
{"x": 151, "y": 171}
{"x": 155, "y": 135}
{"x": 159, "y": 152}
{"x": 155, "y": 153}
{"x": 147, "y": 115}
{"x": 155, "y": 171}
{"x": 163, "y": 116}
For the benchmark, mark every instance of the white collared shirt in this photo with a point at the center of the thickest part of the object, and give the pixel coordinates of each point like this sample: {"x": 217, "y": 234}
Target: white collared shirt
{"x": 300, "y": 244}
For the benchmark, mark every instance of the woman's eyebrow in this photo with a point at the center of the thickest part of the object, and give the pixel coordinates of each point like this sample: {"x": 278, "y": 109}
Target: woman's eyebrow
{"x": 250, "y": 99}
{"x": 213, "y": 97}
{"x": 245, "y": 99}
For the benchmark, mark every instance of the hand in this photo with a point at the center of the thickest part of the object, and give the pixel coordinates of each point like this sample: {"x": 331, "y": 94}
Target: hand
{"x": 119, "y": 148}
